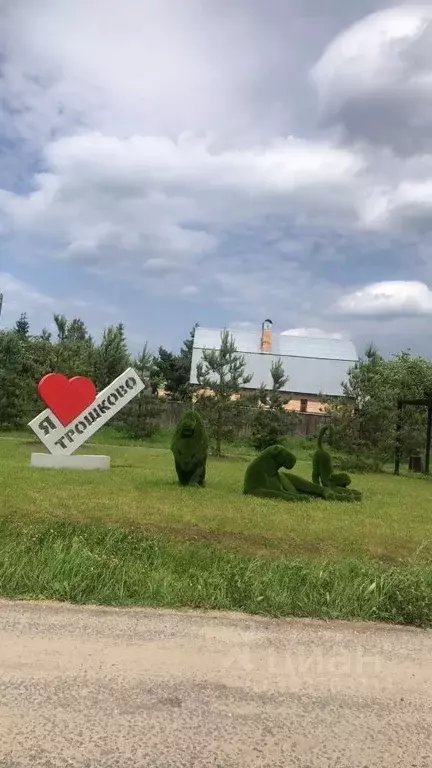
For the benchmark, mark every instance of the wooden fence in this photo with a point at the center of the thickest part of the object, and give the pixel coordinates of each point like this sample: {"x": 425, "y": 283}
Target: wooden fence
{"x": 307, "y": 424}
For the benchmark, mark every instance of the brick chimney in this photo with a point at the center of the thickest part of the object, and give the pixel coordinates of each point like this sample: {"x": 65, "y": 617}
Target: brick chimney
{"x": 266, "y": 336}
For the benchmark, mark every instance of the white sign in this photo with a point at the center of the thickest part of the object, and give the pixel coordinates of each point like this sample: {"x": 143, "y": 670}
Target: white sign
{"x": 65, "y": 440}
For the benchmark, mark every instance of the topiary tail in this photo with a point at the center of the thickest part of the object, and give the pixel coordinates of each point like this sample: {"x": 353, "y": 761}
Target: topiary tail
{"x": 329, "y": 428}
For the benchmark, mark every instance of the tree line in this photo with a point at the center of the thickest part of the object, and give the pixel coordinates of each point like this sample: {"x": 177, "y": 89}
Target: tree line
{"x": 26, "y": 357}
{"x": 364, "y": 417}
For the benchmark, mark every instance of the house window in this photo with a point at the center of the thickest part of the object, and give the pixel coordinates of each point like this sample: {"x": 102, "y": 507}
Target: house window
{"x": 303, "y": 406}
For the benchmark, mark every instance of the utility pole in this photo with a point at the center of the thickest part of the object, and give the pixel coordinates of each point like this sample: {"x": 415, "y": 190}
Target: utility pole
{"x": 1, "y": 303}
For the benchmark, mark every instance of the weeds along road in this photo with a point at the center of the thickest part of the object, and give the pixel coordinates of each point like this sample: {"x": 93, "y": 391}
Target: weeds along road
{"x": 88, "y": 686}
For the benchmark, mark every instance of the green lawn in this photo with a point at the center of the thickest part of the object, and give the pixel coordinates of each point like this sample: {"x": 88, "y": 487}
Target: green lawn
{"x": 132, "y": 535}
{"x": 392, "y": 524}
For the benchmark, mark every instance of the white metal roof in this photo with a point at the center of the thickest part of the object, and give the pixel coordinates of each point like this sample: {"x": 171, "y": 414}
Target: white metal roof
{"x": 314, "y": 365}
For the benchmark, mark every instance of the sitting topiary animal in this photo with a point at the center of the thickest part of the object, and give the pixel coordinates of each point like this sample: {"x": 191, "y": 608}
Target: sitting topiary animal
{"x": 323, "y": 473}
{"x": 189, "y": 446}
{"x": 262, "y": 478}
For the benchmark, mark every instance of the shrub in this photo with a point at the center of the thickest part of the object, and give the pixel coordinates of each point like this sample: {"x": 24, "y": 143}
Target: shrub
{"x": 361, "y": 464}
{"x": 270, "y": 427}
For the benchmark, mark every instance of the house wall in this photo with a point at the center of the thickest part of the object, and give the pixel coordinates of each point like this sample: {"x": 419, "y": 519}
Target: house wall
{"x": 313, "y": 403}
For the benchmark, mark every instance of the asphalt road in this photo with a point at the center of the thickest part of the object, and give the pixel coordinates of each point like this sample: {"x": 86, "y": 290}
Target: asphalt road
{"x": 95, "y": 687}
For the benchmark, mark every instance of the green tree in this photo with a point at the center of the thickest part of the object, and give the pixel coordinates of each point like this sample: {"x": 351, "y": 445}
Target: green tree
{"x": 221, "y": 375}
{"x": 61, "y": 323}
{"x": 75, "y": 351}
{"x": 411, "y": 378}
{"x": 15, "y": 383}
{"x": 272, "y": 422}
{"x": 76, "y": 330}
{"x": 276, "y": 397}
{"x": 22, "y": 326}
{"x": 41, "y": 360}
{"x": 111, "y": 356}
{"x": 140, "y": 417}
{"x": 45, "y": 334}
{"x": 365, "y": 417}
{"x": 362, "y": 419}
{"x": 174, "y": 370}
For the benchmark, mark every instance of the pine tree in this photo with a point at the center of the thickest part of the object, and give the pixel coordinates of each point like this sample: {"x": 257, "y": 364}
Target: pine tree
{"x": 22, "y": 326}
{"x": 76, "y": 330}
{"x": 221, "y": 375}
{"x": 139, "y": 417}
{"x": 111, "y": 357}
{"x": 15, "y": 383}
{"x": 45, "y": 334}
{"x": 61, "y": 323}
{"x": 75, "y": 349}
{"x": 174, "y": 369}
{"x": 272, "y": 423}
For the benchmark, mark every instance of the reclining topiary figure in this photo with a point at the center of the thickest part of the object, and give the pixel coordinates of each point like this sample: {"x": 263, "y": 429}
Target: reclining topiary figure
{"x": 189, "y": 446}
{"x": 323, "y": 473}
{"x": 262, "y": 478}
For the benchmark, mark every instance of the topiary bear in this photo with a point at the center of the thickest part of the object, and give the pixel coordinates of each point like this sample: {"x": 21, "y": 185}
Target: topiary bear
{"x": 323, "y": 473}
{"x": 262, "y": 478}
{"x": 189, "y": 446}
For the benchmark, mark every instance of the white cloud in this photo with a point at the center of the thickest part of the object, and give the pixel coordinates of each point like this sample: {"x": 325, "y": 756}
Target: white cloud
{"x": 156, "y": 66}
{"x": 189, "y": 290}
{"x": 117, "y": 183}
{"x": 152, "y": 199}
{"x": 374, "y": 82}
{"x": 277, "y": 167}
{"x": 19, "y": 295}
{"x": 406, "y": 208}
{"x": 159, "y": 133}
{"x": 148, "y": 166}
{"x": 375, "y": 79}
{"x": 317, "y": 333}
{"x": 156, "y": 126}
{"x": 397, "y": 297}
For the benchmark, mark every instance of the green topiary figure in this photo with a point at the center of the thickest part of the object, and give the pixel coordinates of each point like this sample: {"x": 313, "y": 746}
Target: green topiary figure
{"x": 189, "y": 446}
{"x": 323, "y": 473}
{"x": 262, "y": 478}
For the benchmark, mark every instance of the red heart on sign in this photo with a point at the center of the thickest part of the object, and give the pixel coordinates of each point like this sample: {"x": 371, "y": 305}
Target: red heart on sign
{"x": 67, "y": 398}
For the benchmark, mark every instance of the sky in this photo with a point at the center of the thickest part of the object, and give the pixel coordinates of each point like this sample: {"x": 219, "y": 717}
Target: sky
{"x": 218, "y": 161}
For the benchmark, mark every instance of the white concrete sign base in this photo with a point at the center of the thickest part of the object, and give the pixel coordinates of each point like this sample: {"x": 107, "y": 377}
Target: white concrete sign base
{"x": 62, "y": 461}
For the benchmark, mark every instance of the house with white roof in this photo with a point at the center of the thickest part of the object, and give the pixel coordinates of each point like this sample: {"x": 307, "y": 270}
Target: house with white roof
{"x": 315, "y": 365}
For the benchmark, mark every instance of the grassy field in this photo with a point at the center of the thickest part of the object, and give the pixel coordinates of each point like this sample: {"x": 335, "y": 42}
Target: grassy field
{"x": 132, "y": 535}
